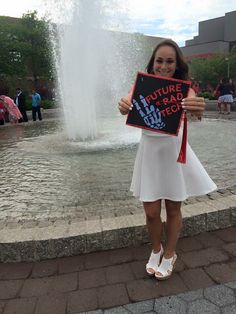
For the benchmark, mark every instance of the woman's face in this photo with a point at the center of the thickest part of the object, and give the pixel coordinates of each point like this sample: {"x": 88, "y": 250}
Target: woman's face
{"x": 165, "y": 61}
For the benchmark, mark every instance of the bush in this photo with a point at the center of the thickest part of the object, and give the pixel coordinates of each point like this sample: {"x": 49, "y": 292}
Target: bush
{"x": 207, "y": 95}
{"x": 46, "y": 104}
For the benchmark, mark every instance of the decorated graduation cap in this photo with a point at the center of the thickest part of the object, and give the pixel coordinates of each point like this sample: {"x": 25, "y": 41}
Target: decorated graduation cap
{"x": 157, "y": 106}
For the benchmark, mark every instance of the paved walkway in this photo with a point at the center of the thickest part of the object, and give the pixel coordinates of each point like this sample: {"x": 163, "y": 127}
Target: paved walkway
{"x": 115, "y": 281}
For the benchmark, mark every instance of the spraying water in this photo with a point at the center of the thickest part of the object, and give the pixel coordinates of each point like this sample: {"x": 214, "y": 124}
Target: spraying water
{"x": 95, "y": 64}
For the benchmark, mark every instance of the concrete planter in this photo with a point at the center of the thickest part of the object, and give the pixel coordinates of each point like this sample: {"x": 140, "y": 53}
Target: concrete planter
{"x": 211, "y": 105}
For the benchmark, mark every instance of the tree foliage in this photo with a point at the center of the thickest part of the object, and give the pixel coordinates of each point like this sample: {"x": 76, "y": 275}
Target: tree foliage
{"x": 35, "y": 46}
{"x": 211, "y": 70}
{"x": 25, "y": 47}
{"x": 10, "y": 63}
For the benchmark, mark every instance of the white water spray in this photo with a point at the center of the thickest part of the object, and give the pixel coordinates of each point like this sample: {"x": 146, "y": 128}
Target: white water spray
{"x": 96, "y": 63}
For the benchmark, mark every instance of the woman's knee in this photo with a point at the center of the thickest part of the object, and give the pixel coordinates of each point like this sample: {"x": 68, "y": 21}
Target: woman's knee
{"x": 173, "y": 209}
{"x": 172, "y": 204}
{"x": 152, "y": 210}
{"x": 174, "y": 217}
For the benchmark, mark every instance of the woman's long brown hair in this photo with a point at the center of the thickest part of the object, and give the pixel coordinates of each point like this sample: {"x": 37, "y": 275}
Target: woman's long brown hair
{"x": 182, "y": 71}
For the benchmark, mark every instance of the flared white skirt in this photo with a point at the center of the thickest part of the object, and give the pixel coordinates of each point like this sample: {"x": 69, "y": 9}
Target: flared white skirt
{"x": 158, "y": 175}
{"x": 226, "y": 99}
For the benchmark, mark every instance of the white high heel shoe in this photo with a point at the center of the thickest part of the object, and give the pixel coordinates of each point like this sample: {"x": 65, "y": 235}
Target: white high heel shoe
{"x": 153, "y": 262}
{"x": 164, "y": 271}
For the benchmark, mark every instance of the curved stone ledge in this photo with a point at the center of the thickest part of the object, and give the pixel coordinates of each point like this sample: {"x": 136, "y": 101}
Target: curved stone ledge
{"x": 58, "y": 239}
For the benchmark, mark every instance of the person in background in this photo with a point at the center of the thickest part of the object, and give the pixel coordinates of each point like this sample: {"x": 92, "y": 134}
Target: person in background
{"x": 216, "y": 94}
{"x": 10, "y": 107}
{"x": 36, "y": 104}
{"x": 20, "y": 102}
{"x": 232, "y": 87}
{"x": 2, "y": 112}
{"x": 226, "y": 90}
{"x": 195, "y": 86}
{"x": 157, "y": 175}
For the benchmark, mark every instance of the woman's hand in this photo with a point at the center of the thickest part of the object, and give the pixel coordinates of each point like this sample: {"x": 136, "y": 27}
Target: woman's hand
{"x": 125, "y": 105}
{"x": 194, "y": 105}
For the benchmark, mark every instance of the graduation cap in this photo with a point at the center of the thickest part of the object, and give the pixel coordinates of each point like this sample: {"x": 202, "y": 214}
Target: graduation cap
{"x": 157, "y": 106}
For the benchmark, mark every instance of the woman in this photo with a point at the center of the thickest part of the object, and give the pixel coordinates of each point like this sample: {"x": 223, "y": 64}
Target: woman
{"x": 226, "y": 90}
{"x": 157, "y": 175}
{"x": 10, "y": 108}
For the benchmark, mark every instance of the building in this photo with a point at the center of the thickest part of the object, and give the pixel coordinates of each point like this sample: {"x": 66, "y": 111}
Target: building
{"x": 215, "y": 36}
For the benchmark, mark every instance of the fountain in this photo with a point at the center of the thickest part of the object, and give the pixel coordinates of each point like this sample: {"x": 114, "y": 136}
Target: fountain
{"x": 95, "y": 64}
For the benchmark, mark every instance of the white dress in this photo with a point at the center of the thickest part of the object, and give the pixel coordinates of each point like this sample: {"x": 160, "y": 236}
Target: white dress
{"x": 158, "y": 175}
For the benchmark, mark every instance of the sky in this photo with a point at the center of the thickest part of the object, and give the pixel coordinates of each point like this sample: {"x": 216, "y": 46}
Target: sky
{"x": 176, "y": 19}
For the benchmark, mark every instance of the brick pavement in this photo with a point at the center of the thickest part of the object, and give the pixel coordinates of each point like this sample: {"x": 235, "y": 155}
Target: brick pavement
{"x": 108, "y": 279}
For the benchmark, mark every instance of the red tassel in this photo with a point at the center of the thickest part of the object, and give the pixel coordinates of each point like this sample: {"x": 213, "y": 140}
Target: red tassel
{"x": 182, "y": 153}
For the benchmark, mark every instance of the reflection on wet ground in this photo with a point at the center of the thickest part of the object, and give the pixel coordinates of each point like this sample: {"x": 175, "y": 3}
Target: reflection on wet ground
{"x": 43, "y": 175}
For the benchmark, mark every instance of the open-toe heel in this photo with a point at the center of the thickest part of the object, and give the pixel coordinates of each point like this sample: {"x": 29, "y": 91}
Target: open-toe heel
{"x": 153, "y": 262}
{"x": 164, "y": 271}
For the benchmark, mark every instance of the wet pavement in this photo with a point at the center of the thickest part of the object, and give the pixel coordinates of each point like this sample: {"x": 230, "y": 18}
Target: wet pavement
{"x": 45, "y": 177}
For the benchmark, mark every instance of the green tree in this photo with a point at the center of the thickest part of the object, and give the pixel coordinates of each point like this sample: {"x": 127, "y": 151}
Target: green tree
{"x": 212, "y": 69}
{"x": 35, "y": 50}
{"x": 25, "y": 50}
{"x": 232, "y": 63}
{"x": 10, "y": 55}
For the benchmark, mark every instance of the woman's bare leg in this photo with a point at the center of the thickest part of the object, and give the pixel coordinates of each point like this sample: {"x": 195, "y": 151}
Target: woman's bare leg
{"x": 173, "y": 226}
{"x": 222, "y": 106}
{"x": 225, "y": 107}
{"x": 154, "y": 223}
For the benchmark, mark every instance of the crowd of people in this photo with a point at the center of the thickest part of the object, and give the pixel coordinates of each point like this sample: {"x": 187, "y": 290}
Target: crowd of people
{"x": 14, "y": 110}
